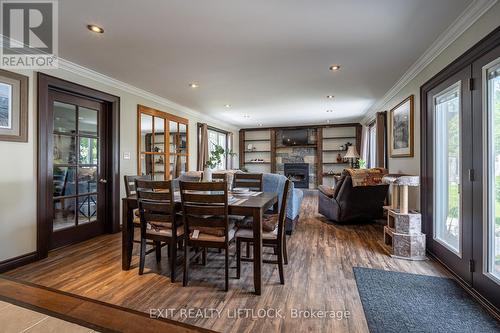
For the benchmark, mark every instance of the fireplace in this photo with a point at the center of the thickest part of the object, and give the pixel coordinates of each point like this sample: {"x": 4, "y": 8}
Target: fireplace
{"x": 298, "y": 173}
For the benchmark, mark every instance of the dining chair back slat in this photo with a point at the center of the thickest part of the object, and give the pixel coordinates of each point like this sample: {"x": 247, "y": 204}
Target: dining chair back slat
{"x": 204, "y": 197}
{"x": 252, "y": 181}
{"x": 130, "y": 183}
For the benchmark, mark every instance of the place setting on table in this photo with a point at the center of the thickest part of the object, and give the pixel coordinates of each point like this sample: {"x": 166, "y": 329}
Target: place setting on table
{"x": 244, "y": 198}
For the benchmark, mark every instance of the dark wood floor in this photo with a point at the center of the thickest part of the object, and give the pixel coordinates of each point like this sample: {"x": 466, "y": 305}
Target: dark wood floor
{"x": 319, "y": 277}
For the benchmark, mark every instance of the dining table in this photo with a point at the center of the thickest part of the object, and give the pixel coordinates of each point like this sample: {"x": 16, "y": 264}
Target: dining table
{"x": 254, "y": 204}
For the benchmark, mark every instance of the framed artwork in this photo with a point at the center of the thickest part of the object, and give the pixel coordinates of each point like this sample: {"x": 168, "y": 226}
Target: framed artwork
{"x": 13, "y": 107}
{"x": 401, "y": 129}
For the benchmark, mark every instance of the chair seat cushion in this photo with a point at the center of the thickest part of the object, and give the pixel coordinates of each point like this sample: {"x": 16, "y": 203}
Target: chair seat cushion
{"x": 213, "y": 238}
{"x": 269, "y": 223}
{"x": 165, "y": 231}
{"x": 248, "y": 233}
{"x": 214, "y": 231}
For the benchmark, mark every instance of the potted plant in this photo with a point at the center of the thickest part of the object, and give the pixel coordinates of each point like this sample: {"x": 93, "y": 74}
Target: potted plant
{"x": 213, "y": 161}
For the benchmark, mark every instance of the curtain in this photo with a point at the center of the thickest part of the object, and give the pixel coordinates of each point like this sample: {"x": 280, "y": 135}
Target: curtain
{"x": 202, "y": 146}
{"x": 381, "y": 124}
{"x": 364, "y": 144}
{"x": 229, "y": 162}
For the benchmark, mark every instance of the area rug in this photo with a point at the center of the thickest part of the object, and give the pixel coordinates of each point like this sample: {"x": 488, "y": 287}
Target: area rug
{"x": 402, "y": 302}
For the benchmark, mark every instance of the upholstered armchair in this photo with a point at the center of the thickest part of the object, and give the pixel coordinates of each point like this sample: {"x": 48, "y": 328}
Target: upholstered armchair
{"x": 345, "y": 203}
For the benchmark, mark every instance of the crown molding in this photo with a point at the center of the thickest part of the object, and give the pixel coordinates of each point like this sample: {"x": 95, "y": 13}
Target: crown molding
{"x": 470, "y": 15}
{"x": 88, "y": 73}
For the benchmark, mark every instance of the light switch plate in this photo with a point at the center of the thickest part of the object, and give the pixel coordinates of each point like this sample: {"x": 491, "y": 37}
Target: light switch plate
{"x": 126, "y": 155}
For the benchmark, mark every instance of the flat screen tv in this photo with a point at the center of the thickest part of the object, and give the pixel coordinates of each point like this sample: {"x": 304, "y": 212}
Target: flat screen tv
{"x": 295, "y": 137}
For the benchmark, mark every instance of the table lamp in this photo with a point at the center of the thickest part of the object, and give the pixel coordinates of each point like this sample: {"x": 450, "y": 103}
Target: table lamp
{"x": 352, "y": 154}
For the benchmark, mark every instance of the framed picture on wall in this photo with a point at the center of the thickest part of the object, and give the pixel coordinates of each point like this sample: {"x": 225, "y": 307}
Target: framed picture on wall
{"x": 13, "y": 107}
{"x": 401, "y": 129}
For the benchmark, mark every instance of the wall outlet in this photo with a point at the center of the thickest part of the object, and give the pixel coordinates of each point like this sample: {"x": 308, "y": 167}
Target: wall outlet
{"x": 126, "y": 155}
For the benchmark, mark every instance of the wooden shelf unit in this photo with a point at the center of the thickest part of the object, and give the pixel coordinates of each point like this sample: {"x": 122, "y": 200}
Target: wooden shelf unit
{"x": 328, "y": 139}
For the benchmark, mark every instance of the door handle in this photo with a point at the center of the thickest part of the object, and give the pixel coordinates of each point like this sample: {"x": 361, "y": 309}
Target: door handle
{"x": 103, "y": 181}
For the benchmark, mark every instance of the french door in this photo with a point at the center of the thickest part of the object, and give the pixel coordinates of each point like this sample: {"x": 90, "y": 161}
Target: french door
{"x": 451, "y": 229}
{"x": 486, "y": 159}
{"x": 76, "y": 147}
{"x": 461, "y": 167}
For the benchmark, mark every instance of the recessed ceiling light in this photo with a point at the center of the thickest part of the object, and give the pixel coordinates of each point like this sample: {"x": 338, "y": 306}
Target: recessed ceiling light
{"x": 193, "y": 85}
{"x": 328, "y": 121}
{"x": 329, "y": 111}
{"x": 329, "y": 96}
{"x": 246, "y": 116}
{"x": 334, "y": 67}
{"x": 260, "y": 125}
{"x": 95, "y": 28}
{"x": 227, "y": 106}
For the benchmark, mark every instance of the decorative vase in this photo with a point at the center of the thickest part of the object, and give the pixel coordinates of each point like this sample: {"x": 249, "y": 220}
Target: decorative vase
{"x": 207, "y": 174}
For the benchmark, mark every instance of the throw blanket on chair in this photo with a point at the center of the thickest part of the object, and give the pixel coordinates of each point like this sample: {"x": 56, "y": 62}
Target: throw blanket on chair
{"x": 367, "y": 177}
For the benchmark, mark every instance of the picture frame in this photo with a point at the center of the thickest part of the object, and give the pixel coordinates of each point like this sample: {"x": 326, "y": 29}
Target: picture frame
{"x": 13, "y": 107}
{"x": 401, "y": 122}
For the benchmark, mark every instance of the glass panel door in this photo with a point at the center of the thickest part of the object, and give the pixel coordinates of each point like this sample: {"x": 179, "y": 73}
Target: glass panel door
{"x": 76, "y": 165}
{"x": 492, "y": 234}
{"x": 451, "y": 127}
{"x": 447, "y": 193}
{"x": 486, "y": 98}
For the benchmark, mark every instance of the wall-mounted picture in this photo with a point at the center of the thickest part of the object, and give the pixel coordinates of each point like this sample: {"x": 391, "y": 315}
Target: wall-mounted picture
{"x": 401, "y": 129}
{"x": 13, "y": 107}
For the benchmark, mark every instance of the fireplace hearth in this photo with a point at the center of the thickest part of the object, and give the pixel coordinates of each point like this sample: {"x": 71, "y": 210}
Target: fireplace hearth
{"x": 298, "y": 173}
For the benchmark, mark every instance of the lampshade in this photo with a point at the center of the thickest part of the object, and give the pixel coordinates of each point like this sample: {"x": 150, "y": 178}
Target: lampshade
{"x": 351, "y": 152}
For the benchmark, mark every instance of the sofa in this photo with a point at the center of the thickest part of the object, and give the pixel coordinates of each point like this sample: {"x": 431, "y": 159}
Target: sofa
{"x": 347, "y": 203}
{"x": 270, "y": 183}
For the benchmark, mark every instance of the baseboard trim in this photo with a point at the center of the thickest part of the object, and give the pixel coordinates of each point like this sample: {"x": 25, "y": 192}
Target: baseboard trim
{"x": 19, "y": 261}
{"x": 471, "y": 291}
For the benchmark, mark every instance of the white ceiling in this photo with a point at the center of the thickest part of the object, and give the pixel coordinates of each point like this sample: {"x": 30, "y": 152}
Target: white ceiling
{"x": 269, "y": 59}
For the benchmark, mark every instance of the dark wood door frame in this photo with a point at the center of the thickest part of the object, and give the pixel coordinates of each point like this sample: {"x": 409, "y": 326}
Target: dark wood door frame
{"x": 487, "y": 44}
{"x": 45, "y": 84}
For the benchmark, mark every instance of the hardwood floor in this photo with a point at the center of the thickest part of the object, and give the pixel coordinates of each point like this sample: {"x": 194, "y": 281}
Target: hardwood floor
{"x": 318, "y": 277}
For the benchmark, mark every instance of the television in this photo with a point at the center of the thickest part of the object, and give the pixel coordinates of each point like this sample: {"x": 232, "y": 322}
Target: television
{"x": 295, "y": 137}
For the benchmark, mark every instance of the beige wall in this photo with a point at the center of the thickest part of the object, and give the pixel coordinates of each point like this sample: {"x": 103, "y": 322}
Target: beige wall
{"x": 486, "y": 23}
{"x": 18, "y": 161}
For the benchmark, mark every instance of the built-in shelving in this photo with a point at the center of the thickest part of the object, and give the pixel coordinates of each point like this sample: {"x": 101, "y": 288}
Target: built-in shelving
{"x": 333, "y": 143}
{"x": 324, "y": 144}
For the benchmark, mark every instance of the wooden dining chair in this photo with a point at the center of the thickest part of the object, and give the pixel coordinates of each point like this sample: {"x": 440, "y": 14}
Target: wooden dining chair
{"x": 159, "y": 221}
{"x": 206, "y": 222}
{"x": 275, "y": 239}
{"x": 253, "y": 181}
{"x": 130, "y": 191}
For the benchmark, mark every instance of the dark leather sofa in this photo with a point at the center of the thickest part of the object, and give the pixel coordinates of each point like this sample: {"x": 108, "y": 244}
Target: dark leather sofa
{"x": 345, "y": 203}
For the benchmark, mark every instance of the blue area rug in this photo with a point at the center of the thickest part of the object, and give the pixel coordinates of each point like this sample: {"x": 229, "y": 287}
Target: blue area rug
{"x": 402, "y": 302}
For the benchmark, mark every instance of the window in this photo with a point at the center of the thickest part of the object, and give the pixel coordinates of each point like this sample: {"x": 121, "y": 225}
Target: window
{"x": 372, "y": 145}
{"x": 162, "y": 144}
{"x": 447, "y": 193}
{"x": 493, "y": 173}
{"x": 216, "y": 137}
